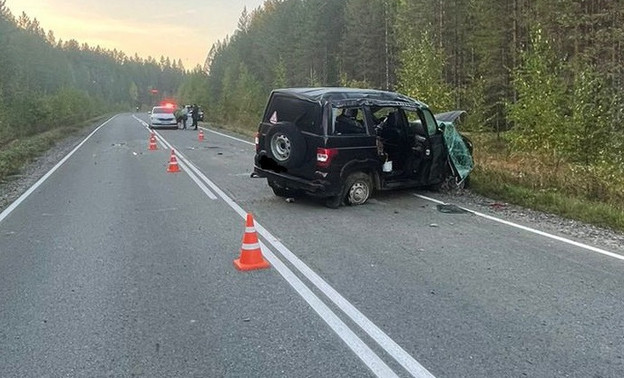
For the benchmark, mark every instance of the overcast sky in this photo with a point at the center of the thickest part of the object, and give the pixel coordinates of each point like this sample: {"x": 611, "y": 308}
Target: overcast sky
{"x": 177, "y": 29}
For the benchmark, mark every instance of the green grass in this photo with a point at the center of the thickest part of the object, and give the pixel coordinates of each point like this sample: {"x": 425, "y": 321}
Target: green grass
{"x": 18, "y": 153}
{"x": 497, "y": 185}
{"x": 242, "y": 130}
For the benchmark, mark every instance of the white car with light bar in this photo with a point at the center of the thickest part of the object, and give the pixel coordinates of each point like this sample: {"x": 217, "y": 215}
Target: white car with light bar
{"x": 163, "y": 117}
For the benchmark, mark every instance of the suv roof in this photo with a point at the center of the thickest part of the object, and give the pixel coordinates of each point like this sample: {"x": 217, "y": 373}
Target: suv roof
{"x": 341, "y": 96}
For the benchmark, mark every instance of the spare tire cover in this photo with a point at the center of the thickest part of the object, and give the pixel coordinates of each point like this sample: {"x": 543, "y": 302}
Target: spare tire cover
{"x": 285, "y": 144}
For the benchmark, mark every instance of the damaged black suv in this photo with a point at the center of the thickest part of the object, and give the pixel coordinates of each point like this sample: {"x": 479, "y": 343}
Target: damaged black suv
{"x": 343, "y": 143}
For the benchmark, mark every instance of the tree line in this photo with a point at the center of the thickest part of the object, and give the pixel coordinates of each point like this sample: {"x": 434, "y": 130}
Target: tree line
{"x": 47, "y": 82}
{"x": 547, "y": 75}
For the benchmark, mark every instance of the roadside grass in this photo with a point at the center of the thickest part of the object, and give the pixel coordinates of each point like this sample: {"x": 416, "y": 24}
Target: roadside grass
{"x": 238, "y": 129}
{"x": 593, "y": 195}
{"x": 18, "y": 153}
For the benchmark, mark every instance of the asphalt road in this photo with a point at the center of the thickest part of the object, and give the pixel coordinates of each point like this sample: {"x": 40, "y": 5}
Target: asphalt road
{"x": 114, "y": 267}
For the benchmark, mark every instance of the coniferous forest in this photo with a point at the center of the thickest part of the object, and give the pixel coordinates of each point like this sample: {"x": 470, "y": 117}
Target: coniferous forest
{"x": 46, "y": 82}
{"x": 541, "y": 80}
{"x": 551, "y": 71}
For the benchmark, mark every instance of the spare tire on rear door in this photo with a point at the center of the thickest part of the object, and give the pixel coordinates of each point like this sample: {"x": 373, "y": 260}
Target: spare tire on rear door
{"x": 285, "y": 144}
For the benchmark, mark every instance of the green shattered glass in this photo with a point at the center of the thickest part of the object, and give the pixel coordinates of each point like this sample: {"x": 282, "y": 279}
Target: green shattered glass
{"x": 460, "y": 154}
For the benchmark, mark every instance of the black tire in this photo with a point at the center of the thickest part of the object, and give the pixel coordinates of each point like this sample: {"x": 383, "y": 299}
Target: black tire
{"x": 358, "y": 188}
{"x": 450, "y": 184}
{"x": 285, "y": 144}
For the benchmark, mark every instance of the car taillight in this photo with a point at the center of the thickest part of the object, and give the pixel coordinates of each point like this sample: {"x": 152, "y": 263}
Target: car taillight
{"x": 324, "y": 156}
{"x": 257, "y": 141}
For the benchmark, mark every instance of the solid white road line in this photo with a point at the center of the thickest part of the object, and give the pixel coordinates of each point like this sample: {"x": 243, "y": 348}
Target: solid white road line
{"x": 389, "y": 345}
{"x": 532, "y": 230}
{"x": 197, "y": 181}
{"x": 342, "y": 330}
{"x": 146, "y": 125}
{"x": 393, "y": 349}
{"x": 368, "y": 356}
{"x": 227, "y": 136}
{"x": 184, "y": 163}
{"x": 187, "y": 166}
{"x": 25, "y": 195}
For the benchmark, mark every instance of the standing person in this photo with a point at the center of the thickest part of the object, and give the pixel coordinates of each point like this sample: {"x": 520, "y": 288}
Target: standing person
{"x": 195, "y": 115}
{"x": 184, "y": 116}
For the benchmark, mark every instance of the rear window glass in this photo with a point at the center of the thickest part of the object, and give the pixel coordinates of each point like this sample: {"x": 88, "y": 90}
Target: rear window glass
{"x": 162, "y": 110}
{"x": 306, "y": 115}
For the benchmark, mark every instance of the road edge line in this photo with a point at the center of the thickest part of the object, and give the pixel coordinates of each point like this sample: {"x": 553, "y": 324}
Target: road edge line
{"x": 531, "y": 230}
{"x": 34, "y": 187}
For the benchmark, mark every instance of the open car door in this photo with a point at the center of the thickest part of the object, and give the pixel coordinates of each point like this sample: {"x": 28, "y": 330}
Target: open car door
{"x": 430, "y": 159}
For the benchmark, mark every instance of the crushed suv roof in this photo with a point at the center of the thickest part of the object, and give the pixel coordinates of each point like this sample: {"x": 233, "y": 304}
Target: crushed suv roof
{"x": 340, "y": 95}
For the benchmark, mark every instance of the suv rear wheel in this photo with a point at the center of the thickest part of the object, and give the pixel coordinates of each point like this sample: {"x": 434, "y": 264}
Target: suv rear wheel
{"x": 285, "y": 144}
{"x": 359, "y": 187}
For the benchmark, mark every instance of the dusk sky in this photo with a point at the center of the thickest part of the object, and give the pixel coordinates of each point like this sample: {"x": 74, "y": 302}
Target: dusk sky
{"x": 176, "y": 29}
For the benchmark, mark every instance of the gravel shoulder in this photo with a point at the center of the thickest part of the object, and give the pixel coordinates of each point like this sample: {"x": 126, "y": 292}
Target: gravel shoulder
{"x": 599, "y": 237}
{"x": 14, "y": 186}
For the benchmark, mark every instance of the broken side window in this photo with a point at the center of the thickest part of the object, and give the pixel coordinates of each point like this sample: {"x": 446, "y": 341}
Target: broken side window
{"x": 415, "y": 123}
{"x": 348, "y": 121}
{"x": 430, "y": 121}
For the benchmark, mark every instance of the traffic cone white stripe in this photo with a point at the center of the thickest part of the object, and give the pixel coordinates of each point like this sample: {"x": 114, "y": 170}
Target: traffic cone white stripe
{"x": 251, "y": 253}
{"x": 250, "y": 247}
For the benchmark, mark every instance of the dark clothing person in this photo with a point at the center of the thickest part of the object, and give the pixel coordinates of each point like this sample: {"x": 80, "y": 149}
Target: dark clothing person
{"x": 195, "y": 115}
{"x": 183, "y": 117}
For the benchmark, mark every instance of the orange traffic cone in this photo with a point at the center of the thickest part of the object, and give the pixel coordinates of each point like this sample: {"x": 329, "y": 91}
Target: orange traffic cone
{"x": 173, "y": 163}
{"x": 251, "y": 254}
{"x": 152, "y": 142}
{"x": 200, "y": 136}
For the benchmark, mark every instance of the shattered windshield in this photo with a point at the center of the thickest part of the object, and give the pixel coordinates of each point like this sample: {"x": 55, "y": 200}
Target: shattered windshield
{"x": 460, "y": 154}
